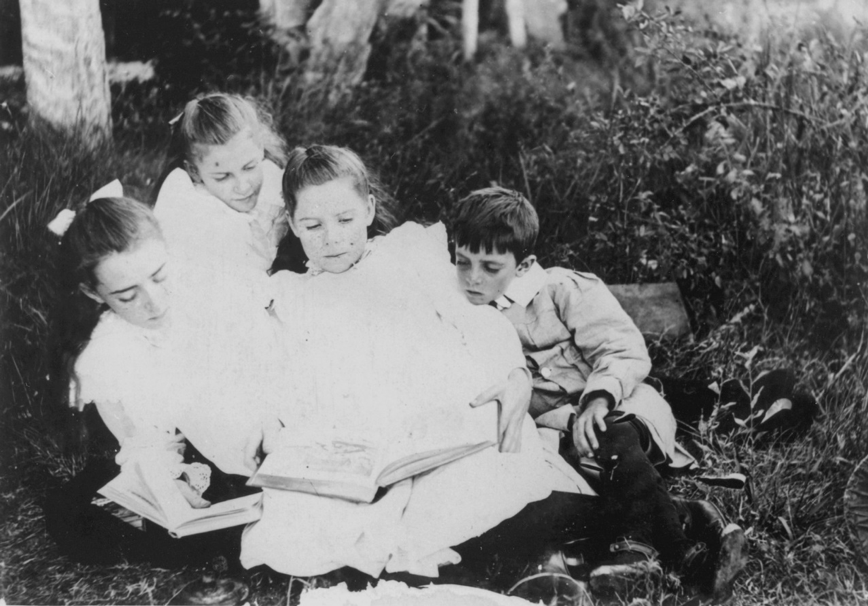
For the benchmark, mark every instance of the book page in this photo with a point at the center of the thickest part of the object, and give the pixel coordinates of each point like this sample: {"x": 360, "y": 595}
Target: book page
{"x": 128, "y": 490}
{"x": 336, "y": 458}
{"x": 442, "y": 428}
{"x": 180, "y": 516}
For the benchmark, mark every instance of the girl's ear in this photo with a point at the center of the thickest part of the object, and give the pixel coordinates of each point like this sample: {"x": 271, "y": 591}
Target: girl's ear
{"x": 192, "y": 172}
{"x": 87, "y": 290}
{"x": 372, "y": 209}
{"x": 525, "y": 265}
{"x": 291, "y": 222}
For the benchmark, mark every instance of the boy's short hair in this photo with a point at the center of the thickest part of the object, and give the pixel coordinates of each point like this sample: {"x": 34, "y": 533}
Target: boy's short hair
{"x": 496, "y": 219}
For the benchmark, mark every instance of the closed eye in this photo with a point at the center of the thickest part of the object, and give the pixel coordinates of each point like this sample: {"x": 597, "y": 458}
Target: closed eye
{"x": 127, "y": 300}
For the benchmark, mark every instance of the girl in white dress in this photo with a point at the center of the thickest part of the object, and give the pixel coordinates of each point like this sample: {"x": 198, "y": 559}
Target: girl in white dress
{"x": 382, "y": 342}
{"x": 221, "y": 205}
{"x": 159, "y": 363}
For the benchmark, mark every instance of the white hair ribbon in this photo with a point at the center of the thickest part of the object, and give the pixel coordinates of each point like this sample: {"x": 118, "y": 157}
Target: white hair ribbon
{"x": 63, "y": 220}
{"x": 112, "y": 190}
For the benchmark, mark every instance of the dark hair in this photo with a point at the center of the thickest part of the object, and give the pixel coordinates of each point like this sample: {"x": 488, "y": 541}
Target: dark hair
{"x": 496, "y": 219}
{"x": 100, "y": 228}
{"x": 214, "y": 119}
{"x": 320, "y": 164}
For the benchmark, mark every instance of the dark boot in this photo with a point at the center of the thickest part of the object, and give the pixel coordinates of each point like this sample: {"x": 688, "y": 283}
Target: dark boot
{"x": 715, "y": 570}
{"x": 640, "y": 513}
{"x": 548, "y": 581}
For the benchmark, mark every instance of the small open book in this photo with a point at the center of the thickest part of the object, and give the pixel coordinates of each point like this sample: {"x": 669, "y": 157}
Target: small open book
{"x": 354, "y": 468}
{"x": 149, "y": 491}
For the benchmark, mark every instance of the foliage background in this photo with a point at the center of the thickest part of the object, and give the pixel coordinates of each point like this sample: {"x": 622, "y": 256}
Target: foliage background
{"x": 731, "y": 159}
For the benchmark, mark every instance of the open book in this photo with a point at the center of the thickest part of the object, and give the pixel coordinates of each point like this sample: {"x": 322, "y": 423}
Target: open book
{"x": 150, "y": 492}
{"x": 354, "y": 468}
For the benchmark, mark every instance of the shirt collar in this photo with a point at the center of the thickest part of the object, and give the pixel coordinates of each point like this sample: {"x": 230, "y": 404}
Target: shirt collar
{"x": 524, "y": 288}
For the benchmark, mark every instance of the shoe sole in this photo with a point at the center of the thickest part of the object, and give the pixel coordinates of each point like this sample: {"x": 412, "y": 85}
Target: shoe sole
{"x": 626, "y": 580}
{"x": 731, "y": 561}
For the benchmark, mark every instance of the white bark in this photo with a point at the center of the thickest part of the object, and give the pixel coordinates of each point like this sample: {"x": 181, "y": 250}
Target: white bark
{"x": 403, "y": 9}
{"x": 515, "y": 10}
{"x": 470, "y": 27}
{"x": 544, "y": 20}
{"x": 284, "y": 14}
{"x": 339, "y": 33}
{"x": 64, "y": 66}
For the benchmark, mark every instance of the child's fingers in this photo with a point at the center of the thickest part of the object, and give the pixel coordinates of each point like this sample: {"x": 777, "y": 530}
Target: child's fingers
{"x": 600, "y": 420}
{"x": 251, "y": 451}
{"x": 507, "y": 435}
{"x": 195, "y": 501}
{"x": 511, "y": 442}
{"x": 592, "y": 435}
{"x": 494, "y": 393}
{"x": 579, "y": 439}
{"x": 271, "y": 432}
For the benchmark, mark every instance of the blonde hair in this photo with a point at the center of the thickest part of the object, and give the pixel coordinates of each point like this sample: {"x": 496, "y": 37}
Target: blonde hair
{"x": 216, "y": 118}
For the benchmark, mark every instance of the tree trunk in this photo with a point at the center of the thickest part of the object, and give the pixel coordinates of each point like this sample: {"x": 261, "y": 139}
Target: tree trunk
{"x": 403, "y": 9}
{"x": 339, "y": 33}
{"x": 65, "y": 67}
{"x": 544, "y": 21}
{"x": 285, "y": 20}
{"x": 284, "y": 14}
{"x": 515, "y": 13}
{"x": 470, "y": 27}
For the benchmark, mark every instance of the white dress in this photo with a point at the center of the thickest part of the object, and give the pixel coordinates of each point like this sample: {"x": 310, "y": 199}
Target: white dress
{"x": 209, "y": 373}
{"x": 373, "y": 349}
{"x": 203, "y": 231}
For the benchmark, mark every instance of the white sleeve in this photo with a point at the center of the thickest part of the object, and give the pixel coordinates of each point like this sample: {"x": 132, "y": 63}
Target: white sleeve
{"x": 118, "y": 376}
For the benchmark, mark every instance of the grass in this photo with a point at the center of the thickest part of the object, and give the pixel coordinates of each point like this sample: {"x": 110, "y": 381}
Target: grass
{"x": 749, "y": 193}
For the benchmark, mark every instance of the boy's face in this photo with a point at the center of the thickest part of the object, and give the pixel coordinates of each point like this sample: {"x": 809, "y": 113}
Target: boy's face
{"x": 485, "y": 275}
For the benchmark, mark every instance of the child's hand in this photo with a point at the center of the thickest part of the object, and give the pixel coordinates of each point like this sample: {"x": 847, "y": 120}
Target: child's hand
{"x": 585, "y": 425}
{"x": 260, "y": 443}
{"x": 513, "y": 398}
{"x": 195, "y": 501}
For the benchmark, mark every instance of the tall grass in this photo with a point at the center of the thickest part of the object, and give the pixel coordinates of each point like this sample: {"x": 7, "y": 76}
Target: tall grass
{"x": 740, "y": 175}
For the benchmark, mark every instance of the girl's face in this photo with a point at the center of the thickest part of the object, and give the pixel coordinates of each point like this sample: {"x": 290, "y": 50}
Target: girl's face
{"x": 134, "y": 284}
{"x": 233, "y": 172}
{"x": 332, "y": 220}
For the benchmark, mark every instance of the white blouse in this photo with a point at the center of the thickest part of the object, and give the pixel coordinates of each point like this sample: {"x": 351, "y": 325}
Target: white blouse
{"x": 211, "y": 373}
{"x": 384, "y": 347}
{"x": 204, "y": 231}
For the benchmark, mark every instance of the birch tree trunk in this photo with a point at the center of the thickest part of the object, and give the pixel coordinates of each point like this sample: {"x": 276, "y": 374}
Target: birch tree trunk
{"x": 284, "y": 14}
{"x": 544, "y": 21}
{"x": 63, "y": 49}
{"x": 470, "y": 27}
{"x": 339, "y": 33}
{"x": 515, "y": 13}
{"x": 285, "y": 20}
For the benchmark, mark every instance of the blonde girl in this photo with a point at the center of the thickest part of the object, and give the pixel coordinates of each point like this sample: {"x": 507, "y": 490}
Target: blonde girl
{"x": 220, "y": 204}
